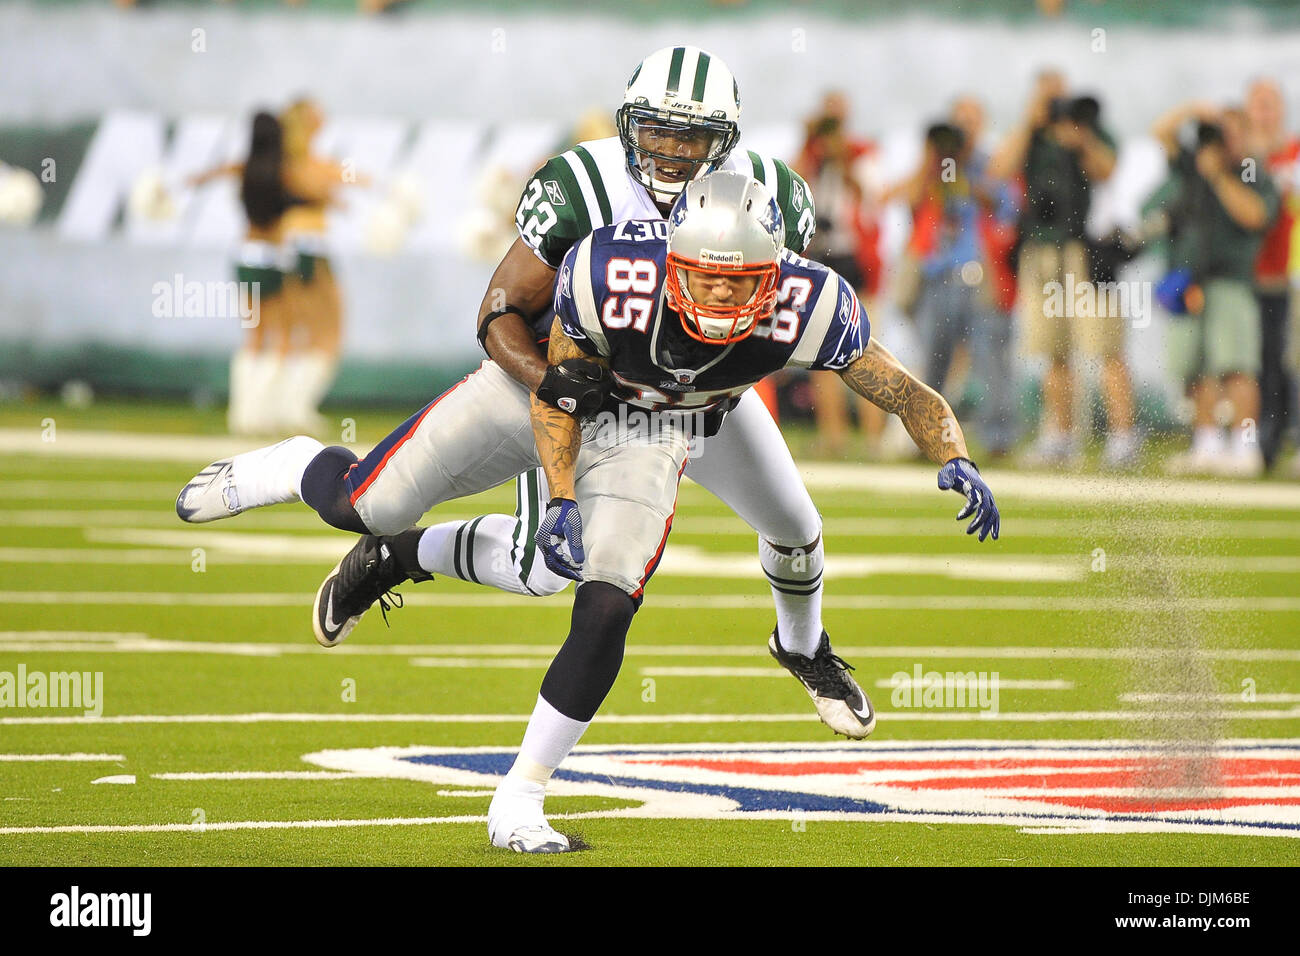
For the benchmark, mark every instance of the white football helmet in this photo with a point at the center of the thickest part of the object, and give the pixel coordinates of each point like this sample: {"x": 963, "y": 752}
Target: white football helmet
{"x": 725, "y": 224}
{"x": 679, "y": 119}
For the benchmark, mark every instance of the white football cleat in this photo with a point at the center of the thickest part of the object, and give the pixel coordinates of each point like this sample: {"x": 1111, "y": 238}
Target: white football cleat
{"x": 231, "y": 486}
{"x": 209, "y": 495}
{"x": 843, "y": 706}
{"x": 515, "y": 822}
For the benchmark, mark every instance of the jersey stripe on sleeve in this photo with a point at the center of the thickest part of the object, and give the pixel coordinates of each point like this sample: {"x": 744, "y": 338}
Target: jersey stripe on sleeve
{"x": 584, "y": 298}
{"x": 817, "y": 324}
{"x": 598, "y": 187}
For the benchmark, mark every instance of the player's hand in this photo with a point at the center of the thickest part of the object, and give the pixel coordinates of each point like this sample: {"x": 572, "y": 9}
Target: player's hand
{"x": 963, "y": 477}
{"x": 561, "y": 531}
{"x": 576, "y": 385}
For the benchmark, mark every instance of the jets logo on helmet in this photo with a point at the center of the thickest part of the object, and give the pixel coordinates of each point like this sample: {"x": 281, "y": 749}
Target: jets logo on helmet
{"x": 679, "y": 119}
{"x": 724, "y": 225}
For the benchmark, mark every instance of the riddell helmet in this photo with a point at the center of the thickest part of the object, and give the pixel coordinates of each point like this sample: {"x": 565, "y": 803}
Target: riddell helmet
{"x": 686, "y": 92}
{"x": 724, "y": 224}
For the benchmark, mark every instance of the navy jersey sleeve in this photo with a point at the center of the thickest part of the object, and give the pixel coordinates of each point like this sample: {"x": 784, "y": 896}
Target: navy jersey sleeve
{"x": 575, "y": 301}
{"x": 836, "y": 329}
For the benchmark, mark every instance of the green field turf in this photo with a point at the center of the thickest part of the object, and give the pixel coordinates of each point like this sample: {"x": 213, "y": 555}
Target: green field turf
{"x": 1192, "y": 596}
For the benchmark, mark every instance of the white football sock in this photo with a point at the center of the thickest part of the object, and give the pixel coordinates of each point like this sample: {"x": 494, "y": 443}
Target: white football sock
{"x": 548, "y": 740}
{"x": 307, "y": 377}
{"x": 263, "y": 393}
{"x": 1209, "y": 440}
{"x": 796, "y": 581}
{"x": 1244, "y": 444}
{"x": 239, "y": 409}
{"x": 273, "y": 475}
{"x": 478, "y": 550}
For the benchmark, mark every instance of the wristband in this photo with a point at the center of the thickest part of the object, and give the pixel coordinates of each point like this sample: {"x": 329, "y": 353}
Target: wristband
{"x": 492, "y": 317}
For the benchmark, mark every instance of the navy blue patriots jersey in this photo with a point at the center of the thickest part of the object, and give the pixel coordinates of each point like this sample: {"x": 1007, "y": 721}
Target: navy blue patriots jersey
{"x": 609, "y": 298}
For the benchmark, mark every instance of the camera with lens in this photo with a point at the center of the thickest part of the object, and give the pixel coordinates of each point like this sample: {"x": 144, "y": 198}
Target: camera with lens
{"x": 1084, "y": 110}
{"x": 1208, "y": 134}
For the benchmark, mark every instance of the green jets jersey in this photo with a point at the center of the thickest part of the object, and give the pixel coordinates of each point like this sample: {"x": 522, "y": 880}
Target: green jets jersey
{"x": 590, "y": 186}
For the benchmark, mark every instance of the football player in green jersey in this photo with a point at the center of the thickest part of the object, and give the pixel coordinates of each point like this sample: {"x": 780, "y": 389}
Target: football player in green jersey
{"x": 679, "y": 120}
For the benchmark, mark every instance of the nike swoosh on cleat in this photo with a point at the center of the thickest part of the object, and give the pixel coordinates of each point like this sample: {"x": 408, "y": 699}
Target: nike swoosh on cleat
{"x": 331, "y": 627}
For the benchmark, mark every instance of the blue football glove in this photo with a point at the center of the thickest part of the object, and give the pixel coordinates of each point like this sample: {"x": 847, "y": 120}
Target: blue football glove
{"x": 963, "y": 477}
{"x": 561, "y": 530}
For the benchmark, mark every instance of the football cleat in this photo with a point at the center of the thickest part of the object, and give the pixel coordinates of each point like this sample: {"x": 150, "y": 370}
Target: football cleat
{"x": 367, "y": 574}
{"x": 843, "y": 706}
{"x": 515, "y": 822}
{"x": 209, "y": 495}
{"x": 254, "y": 479}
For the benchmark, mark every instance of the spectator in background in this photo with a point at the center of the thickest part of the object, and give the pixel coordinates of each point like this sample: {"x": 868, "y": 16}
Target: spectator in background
{"x": 995, "y": 417}
{"x": 1218, "y": 207}
{"x": 954, "y": 206}
{"x": 1061, "y": 150}
{"x": 841, "y": 170}
{"x": 1278, "y": 266}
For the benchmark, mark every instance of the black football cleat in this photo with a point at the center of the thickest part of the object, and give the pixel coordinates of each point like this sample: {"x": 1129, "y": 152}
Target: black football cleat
{"x": 843, "y": 706}
{"x": 367, "y": 574}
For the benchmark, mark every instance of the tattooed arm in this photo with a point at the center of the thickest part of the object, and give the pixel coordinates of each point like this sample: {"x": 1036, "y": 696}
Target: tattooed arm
{"x": 879, "y": 377}
{"x": 558, "y": 434}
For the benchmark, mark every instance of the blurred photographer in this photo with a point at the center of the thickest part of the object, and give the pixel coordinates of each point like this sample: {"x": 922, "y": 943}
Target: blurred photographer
{"x": 1218, "y": 203}
{"x": 1061, "y": 150}
{"x": 841, "y": 170}
{"x": 1277, "y": 270}
{"x": 956, "y": 210}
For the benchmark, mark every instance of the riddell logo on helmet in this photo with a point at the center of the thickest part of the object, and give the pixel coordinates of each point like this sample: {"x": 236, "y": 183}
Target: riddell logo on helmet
{"x": 722, "y": 258}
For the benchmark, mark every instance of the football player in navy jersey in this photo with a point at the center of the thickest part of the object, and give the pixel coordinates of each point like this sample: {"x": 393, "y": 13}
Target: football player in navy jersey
{"x": 684, "y": 325}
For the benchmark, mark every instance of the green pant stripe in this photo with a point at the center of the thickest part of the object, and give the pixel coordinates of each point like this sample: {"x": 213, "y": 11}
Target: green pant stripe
{"x": 701, "y": 75}
{"x": 469, "y": 549}
{"x": 455, "y": 552}
{"x": 519, "y": 520}
{"x": 529, "y": 544}
{"x": 675, "y": 70}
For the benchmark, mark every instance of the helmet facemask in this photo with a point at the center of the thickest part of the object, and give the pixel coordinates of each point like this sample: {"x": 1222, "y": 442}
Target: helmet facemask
{"x": 719, "y": 324}
{"x": 666, "y": 149}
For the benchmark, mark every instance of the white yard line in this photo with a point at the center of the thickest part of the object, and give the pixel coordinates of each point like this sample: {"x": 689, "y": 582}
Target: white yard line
{"x": 901, "y": 479}
{"x": 1234, "y": 698}
{"x": 1004, "y": 683}
{"x": 679, "y": 561}
{"x": 528, "y": 655}
{"x": 162, "y": 492}
{"x": 523, "y": 663}
{"x": 220, "y": 827}
{"x": 714, "y": 602}
{"x": 70, "y": 636}
{"x": 705, "y": 525}
{"x": 74, "y": 758}
{"x": 262, "y": 775}
{"x": 638, "y": 719}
